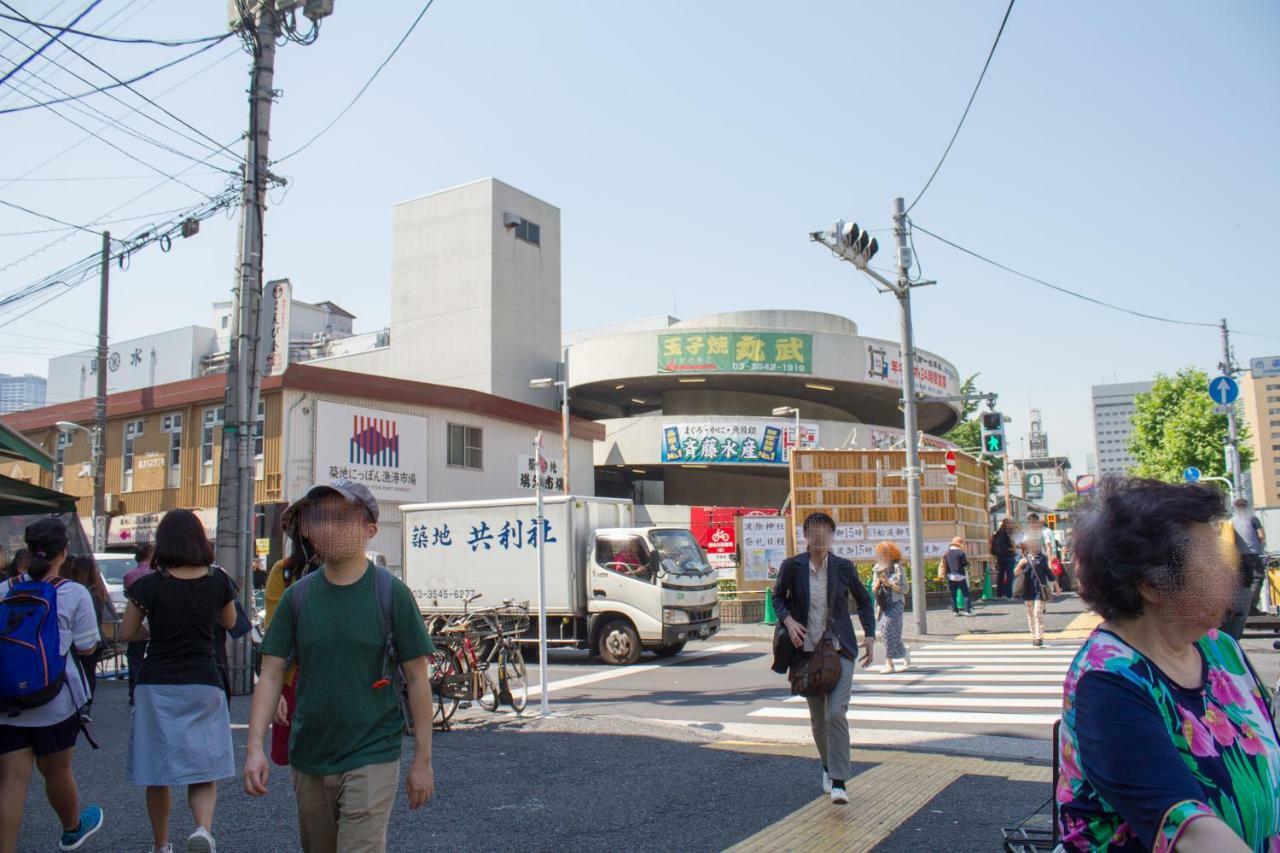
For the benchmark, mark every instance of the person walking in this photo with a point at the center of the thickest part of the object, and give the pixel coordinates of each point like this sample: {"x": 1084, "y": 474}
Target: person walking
{"x": 284, "y": 574}
{"x": 811, "y": 597}
{"x": 180, "y": 728}
{"x": 1250, "y": 542}
{"x": 348, "y": 624}
{"x": 887, "y": 587}
{"x": 1035, "y": 588}
{"x": 84, "y": 571}
{"x": 41, "y": 729}
{"x": 136, "y": 650}
{"x": 1006, "y": 558}
{"x": 955, "y": 567}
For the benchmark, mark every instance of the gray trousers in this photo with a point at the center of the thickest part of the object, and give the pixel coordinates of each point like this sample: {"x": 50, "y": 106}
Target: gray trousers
{"x": 827, "y": 716}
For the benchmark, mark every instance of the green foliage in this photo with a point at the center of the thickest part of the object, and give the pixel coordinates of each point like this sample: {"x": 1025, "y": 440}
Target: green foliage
{"x": 1069, "y": 501}
{"x": 1175, "y": 427}
{"x": 967, "y": 435}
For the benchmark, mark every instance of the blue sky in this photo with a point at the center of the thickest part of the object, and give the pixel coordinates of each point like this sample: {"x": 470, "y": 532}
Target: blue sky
{"x": 1126, "y": 150}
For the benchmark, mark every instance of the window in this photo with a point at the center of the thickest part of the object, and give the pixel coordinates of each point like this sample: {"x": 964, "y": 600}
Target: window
{"x": 212, "y": 420}
{"x": 466, "y": 447}
{"x": 625, "y": 555}
{"x": 258, "y": 423}
{"x": 132, "y": 432}
{"x": 173, "y": 428}
{"x": 530, "y": 232}
{"x": 225, "y": 318}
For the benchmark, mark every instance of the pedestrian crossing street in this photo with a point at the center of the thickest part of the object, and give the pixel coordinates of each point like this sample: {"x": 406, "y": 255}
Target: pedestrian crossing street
{"x": 1008, "y": 689}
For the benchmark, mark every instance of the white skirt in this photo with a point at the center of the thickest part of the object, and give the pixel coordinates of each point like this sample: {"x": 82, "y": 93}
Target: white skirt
{"x": 180, "y": 734}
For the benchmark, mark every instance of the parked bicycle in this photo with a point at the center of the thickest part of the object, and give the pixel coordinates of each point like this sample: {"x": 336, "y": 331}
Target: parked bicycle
{"x": 473, "y": 646}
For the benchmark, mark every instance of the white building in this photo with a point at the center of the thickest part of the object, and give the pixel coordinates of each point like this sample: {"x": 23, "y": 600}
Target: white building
{"x": 21, "y": 392}
{"x": 1113, "y": 424}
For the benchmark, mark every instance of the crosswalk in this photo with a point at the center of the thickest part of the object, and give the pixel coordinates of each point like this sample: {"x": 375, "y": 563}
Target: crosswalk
{"x": 970, "y": 688}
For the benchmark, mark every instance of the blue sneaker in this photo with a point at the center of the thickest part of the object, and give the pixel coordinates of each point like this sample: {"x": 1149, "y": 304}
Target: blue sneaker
{"x": 90, "y": 822}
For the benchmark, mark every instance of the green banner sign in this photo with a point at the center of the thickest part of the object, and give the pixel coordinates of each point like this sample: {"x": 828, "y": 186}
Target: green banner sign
{"x": 735, "y": 352}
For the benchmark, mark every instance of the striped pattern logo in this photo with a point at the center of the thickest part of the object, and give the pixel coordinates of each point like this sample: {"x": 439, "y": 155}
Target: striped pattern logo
{"x": 374, "y": 441}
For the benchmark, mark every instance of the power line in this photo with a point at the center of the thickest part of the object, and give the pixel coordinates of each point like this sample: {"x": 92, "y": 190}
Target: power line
{"x": 154, "y": 215}
{"x": 40, "y": 215}
{"x": 1064, "y": 290}
{"x": 363, "y": 88}
{"x": 42, "y": 47}
{"x": 120, "y": 82}
{"x": 115, "y": 39}
{"x": 965, "y": 115}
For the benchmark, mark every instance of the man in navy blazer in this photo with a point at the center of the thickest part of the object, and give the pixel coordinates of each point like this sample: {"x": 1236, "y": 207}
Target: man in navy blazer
{"x": 813, "y": 591}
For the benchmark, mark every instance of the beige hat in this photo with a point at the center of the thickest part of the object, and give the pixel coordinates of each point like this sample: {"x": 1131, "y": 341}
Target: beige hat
{"x": 959, "y": 540}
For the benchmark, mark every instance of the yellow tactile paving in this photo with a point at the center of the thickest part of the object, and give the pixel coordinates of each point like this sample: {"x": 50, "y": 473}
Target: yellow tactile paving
{"x": 881, "y": 798}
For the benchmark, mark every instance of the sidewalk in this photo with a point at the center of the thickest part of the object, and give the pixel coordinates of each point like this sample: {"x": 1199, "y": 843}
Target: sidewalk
{"x": 1065, "y": 618}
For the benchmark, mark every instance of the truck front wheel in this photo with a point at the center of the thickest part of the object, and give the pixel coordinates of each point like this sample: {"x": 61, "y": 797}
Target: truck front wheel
{"x": 619, "y": 645}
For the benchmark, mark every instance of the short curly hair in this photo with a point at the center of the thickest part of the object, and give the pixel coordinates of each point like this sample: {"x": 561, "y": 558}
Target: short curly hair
{"x": 887, "y": 552}
{"x": 1135, "y": 532}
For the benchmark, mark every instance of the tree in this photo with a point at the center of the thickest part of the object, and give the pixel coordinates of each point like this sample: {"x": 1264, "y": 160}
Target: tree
{"x": 1069, "y": 501}
{"x": 967, "y": 435}
{"x": 1175, "y": 428}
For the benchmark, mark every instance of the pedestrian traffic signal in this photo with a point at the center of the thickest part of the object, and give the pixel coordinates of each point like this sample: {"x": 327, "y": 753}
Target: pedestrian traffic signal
{"x": 994, "y": 443}
{"x": 993, "y": 433}
{"x": 1051, "y": 521}
{"x": 992, "y": 422}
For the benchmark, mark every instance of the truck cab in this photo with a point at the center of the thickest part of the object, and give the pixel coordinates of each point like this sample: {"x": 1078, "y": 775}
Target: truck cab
{"x": 648, "y": 588}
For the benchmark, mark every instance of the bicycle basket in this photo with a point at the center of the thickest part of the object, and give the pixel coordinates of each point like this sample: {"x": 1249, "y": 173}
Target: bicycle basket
{"x": 513, "y": 620}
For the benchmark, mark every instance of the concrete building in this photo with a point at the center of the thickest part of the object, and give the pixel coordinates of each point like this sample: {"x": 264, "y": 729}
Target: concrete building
{"x": 687, "y": 405}
{"x": 1113, "y": 424}
{"x": 1260, "y": 392}
{"x": 21, "y": 392}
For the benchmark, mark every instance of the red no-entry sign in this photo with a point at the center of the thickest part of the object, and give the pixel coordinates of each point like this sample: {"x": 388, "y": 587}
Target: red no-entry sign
{"x": 951, "y": 461}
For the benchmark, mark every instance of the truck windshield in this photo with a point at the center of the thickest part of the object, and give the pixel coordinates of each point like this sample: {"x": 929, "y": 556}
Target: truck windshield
{"x": 678, "y": 552}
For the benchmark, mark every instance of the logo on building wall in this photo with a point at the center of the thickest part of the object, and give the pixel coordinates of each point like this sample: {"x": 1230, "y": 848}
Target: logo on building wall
{"x": 374, "y": 441}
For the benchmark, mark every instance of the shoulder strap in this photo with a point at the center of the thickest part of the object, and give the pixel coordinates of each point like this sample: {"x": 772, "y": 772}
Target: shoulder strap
{"x": 382, "y": 584}
{"x": 297, "y": 596}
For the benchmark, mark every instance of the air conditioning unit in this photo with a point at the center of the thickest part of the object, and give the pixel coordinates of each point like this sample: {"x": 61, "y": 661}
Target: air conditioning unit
{"x": 113, "y": 505}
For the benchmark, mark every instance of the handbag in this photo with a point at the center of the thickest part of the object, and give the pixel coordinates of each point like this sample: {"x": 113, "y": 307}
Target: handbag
{"x": 816, "y": 674}
{"x": 1020, "y": 582}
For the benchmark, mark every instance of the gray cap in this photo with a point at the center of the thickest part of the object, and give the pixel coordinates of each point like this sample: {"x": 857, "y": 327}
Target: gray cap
{"x": 349, "y": 490}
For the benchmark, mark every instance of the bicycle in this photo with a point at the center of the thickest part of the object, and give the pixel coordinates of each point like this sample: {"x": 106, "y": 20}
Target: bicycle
{"x": 474, "y": 642}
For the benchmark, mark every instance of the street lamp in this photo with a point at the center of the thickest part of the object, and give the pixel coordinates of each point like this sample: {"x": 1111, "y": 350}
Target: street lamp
{"x": 99, "y": 483}
{"x": 563, "y": 386}
{"x": 783, "y": 411}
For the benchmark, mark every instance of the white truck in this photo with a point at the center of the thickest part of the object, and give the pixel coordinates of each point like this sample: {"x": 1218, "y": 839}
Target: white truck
{"x": 611, "y": 587}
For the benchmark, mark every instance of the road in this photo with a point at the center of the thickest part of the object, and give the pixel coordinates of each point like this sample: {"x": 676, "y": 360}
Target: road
{"x": 701, "y": 752}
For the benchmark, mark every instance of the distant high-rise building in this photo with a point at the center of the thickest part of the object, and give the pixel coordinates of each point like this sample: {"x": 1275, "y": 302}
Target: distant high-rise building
{"x": 1260, "y": 391}
{"x": 21, "y": 392}
{"x": 1038, "y": 440}
{"x": 1113, "y": 424}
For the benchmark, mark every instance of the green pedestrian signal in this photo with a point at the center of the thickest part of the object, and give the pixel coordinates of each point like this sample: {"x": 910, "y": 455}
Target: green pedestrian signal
{"x": 995, "y": 443}
{"x": 993, "y": 433}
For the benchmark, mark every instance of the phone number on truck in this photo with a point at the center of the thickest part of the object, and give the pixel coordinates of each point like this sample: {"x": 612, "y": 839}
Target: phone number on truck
{"x": 437, "y": 594}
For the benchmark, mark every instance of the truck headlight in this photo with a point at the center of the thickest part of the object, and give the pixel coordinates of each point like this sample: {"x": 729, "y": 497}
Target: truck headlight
{"x": 672, "y": 616}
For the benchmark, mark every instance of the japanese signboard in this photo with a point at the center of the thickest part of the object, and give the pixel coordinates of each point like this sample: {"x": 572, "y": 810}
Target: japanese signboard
{"x": 551, "y": 475}
{"x": 386, "y": 451}
{"x": 273, "y": 328}
{"x": 150, "y": 471}
{"x": 1265, "y": 366}
{"x": 933, "y": 376}
{"x": 735, "y": 352}
{"x": 746, "y": 442}
{"x": 764, "y": 547}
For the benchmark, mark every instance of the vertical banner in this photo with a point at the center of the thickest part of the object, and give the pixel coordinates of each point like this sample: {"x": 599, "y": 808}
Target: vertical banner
{"x": 273, "y": 328}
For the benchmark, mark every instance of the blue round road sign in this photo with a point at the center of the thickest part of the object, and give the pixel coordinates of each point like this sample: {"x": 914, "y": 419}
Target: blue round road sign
{"x": 1223, "y": 390}
{"x": 1191, "y": 474}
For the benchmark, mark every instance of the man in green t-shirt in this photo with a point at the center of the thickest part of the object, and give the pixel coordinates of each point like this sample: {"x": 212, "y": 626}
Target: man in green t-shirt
{"x": 345, "y": 744}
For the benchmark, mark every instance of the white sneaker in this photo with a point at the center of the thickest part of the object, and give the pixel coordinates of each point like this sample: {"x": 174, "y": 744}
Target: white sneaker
{"x": 826, "y": 782}
{"x": 201, "y": 841}
{"x": 168, "y": 848}
{"x": 887, "y": 669}
{"x": 839, "y": 797}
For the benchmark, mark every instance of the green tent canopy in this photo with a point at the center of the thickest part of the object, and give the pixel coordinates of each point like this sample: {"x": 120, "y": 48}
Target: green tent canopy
{"x": 14, "y": 445}
{"x": 21, "y": 498}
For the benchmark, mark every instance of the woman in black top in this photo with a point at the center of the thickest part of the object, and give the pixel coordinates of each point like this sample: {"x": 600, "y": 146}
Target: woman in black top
{"x": 1036, "y": 588}
{"x": 180, "y": 732}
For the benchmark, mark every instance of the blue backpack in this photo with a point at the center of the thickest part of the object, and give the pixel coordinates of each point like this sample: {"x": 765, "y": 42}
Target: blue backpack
{"x": 32, "y": 671}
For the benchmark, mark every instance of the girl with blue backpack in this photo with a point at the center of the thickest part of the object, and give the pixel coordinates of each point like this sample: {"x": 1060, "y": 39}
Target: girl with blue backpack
{"x": 43, "y": 617}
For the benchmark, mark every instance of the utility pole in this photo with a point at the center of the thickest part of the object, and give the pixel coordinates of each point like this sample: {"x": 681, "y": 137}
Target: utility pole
{"x": 857, "y": 247}
{"x": 100, "y": 407}
{"x": 237, "y": 477}
{"x": 1229, "y": 369}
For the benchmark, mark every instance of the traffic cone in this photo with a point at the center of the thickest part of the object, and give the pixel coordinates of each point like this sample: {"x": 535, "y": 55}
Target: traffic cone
{"x": 770, "y": 617}
{"x": 987, "y": 593}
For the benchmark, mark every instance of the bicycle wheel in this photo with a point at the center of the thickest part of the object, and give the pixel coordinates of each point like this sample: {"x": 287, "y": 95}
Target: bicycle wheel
{"x": 488, "y": 692}
{"x": 513, "y": 670}
{"x": 444, "y": 662}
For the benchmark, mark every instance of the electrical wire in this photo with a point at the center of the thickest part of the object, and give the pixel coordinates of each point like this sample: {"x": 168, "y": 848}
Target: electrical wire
{"x": 69, "y": 227}
{"x": 120, "y": 82}
{"x": 117, "y": 40}
{"x": 965, "y": 114}
{"x": 363, "y": 88}
{"x": 53, "y": 39}
{"x": 46, "y": 216}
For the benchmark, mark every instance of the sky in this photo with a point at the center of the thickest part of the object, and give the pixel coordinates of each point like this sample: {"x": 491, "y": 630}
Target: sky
{"x": 1123, "y": 150}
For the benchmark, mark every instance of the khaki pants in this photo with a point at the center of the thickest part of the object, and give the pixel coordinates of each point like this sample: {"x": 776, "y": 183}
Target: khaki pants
{"x": 828, "y": 716}
{"x": 1035, "y": 618}
{"x": 346, "y": 812}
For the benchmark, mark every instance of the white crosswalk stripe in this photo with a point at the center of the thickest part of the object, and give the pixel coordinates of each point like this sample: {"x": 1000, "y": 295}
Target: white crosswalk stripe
{"x": 1008, "y": 689}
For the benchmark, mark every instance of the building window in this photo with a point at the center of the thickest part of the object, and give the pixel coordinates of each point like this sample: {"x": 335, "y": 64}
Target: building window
{"x": 132, "y": 432}
{"x": 530, "y": 232}
{"x": 173, "y": 428}
{"x": 466, "y": 447}
{"x": 258, "y": 423}
{"x": 212, "y": 421}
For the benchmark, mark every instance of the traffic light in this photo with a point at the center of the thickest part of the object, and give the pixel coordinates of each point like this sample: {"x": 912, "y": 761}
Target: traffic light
{"x": 992, "y": 433}
{"x": 854, "y": 238}
{"x": 1051, "y": 521}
